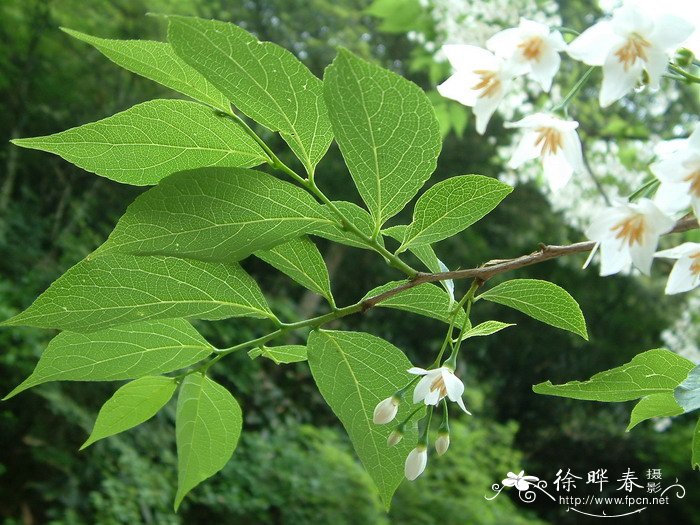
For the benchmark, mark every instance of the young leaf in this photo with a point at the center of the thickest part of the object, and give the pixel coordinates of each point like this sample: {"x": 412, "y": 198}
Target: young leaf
{"x": 354, "y": 371}
{"x": 485, "y": 328}
{"x": 117, "y": 289}
{"x": 300, "y": 260}
{"x": 687, "y": 394}
{"x": 451, "y": 206}
{"x": 123, "y": 352}
{"x": 131, "y": 405}
{"x": 654, "y": 405}
{"x": 158, "y": 62}
{"x": 263, "y": 80}
{"x": 208, "y": 424}
{"x": 357, "y": 216}
{"x": 651, "y": 372}
{"x": 149, "y": 141}
{"x": 386, "y": 129}
{"x": 424, "y": 252}
{"x": 541, "y": 300}
{"x": 215, "y": 214}
{"x": 281, "y": 355}
{"x": 425, "y": 299}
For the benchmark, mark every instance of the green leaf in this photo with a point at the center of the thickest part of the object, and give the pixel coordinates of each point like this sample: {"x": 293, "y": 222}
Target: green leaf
{"x": 451, "y": 206}
{"x": 123, "y": 352}
{"x": 301, "y": 260}
{"x": 386, "y": 129}
{"x": 651, "y": 372}
{"x": 695, "y": 461}
{"x": 281, "y": 355}
{"x": 687, "y": 394}
{"x": 215, "y": 214}
{"x": 354, "y": 371}
{"x": 424, "y": 252}
{"x": 263, "y": 80}
{"x": 131, "y": 405}
{"x": 654, "y": 405}
{"x": 158, "y": 62}
{"x": 541, "y": 300}
{"x": 357, "y": 216}
{"x": 486, "y": 328}
{"x": 425, "y": 299}
{"x": 117, "y": 289}
{"x": 208, "y": 424}
{"x": 149, "y": 141}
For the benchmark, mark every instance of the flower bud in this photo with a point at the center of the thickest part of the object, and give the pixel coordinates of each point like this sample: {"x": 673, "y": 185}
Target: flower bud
{"x": 415, "y": 462}
{"x": 684, "y": 57}
{"x": 395, "y": 437}
{"x": 442, "y": 443}
{"x": 386, "y": 410}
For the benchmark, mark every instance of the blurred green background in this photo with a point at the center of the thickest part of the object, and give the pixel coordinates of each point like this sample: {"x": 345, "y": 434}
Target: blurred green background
{"x": 294, "y": 464}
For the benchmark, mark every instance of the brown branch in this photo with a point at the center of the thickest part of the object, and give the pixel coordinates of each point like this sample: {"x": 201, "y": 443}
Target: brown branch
{"x": 495, "y": 267}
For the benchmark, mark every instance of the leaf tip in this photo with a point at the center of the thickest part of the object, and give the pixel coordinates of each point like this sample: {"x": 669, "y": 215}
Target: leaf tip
{"x": 541, "y": 388}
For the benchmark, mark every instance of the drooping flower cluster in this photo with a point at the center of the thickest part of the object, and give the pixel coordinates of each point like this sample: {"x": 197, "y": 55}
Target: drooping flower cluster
{"x": 434, "y": 386}
{"x": 633, "y": 48}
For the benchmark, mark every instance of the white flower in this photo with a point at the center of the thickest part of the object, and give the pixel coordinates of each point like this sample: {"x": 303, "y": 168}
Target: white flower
{"x": 686, "y": 272}
{"x": 552, "y": 139}
{"x": 628, "y": 234}
{"x": 386, "y": 410}
{"x": 436, "y": 384}
{"x": 442, "y": 443}
{"x": 415, "y": 462}
{"x": 629, "y": 43}
{"x": 519, "y": 481}
{"x": 532, "y": 48}
{"x": 480, "y": 80}
{"x": 679, "y": 172}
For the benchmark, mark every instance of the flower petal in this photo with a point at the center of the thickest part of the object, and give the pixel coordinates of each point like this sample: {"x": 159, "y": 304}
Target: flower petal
{"x": 657, "y": 60}
{"x": 557, "y": 170}
{"x": 460, "y": 403}
{"x": 682, "y": 278}
{"x": 593, "y": 45}
{"x": 468, "y": 58}
{"x": 684, "y": 250}
{"x": 613, "y": 258}
{"x": 670, "y": 32}
{"x": 618, "y": 80}
{"x": 415, "y": 370}
{"x": 453, "y": 385}
{"x": 484, "y": 108}
{"x": 642, "y": 254}
{"x": 459, "y": 87}
{"x": 422, "y": 389}
{"x": 544, "y": 69}
{"x": 527, "y": 149}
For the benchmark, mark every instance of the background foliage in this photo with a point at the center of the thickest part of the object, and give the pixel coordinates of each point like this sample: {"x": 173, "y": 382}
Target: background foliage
{"x": 294, "y": 464}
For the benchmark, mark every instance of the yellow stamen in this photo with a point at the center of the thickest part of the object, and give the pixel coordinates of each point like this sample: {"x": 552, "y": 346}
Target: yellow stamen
{"x": 631, "y": 229}
{"x": 550, "y": 139}
{"x": 532, "y": 48}
{"x": 634, "y": 48}
{"x": 439, "y": 384}
{"x": 489, "y": 83}
{"x": 695, "y": 267}
{"x": 694, "y": 179}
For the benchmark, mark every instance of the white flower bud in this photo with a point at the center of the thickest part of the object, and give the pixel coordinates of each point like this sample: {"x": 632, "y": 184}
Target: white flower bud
{"x": 394, "y": 438}
{"x": 386, "y": 410}
{"x": 415, "y": 462}
{"x": 442, "y": 443}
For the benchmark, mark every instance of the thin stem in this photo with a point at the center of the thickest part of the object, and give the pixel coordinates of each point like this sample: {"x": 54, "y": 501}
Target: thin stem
{"x": 469, "y": 296}
{"x": 581, "y": 81}
{"x": 423, "y": 439}
{"x": 682, "y": 72}
{"x": 410, "y": 416}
